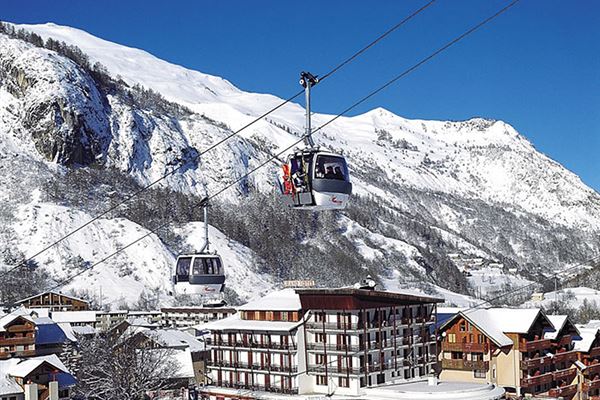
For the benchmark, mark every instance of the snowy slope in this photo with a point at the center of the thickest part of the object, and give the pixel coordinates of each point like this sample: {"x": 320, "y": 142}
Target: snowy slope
{"x": 474, "y": 187}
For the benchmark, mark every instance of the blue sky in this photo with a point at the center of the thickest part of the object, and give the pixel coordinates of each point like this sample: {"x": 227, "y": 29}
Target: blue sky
{"x": 536, "y": 67}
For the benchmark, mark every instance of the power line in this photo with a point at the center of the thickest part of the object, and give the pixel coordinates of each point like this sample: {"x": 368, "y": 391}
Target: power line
{"x": 218, "y": 143}
{"x": 302, "y": 137}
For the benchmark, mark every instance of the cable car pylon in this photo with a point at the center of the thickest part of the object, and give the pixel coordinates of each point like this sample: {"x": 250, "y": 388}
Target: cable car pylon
{"x": 313, "y": 179}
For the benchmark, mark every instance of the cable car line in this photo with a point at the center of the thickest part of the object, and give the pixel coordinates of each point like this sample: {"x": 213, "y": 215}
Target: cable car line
{"x": 213, "y": 146}
{"x": 272, "y": 158}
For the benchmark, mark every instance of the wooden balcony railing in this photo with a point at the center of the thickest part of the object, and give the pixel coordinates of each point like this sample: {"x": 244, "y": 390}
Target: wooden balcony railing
{"x": 466, "y": 365}
{"x": 566, "y": 375}
{"x": 564, "y": 391}
{"x": 591, "y": 370}
{"x": 591, "y": 385}
{"x": 466, "y": 347}
{"x": 565, "y": 356}
{"x": 535, "y": 362}
{"x": 535, "y": 345}
{"x": 537, "y": 380}
{"x": 565, "y": 340}
{"x": 594, "y": 352}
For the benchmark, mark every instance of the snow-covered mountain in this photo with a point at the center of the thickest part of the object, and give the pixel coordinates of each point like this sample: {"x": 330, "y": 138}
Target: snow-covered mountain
{"x": 428, "y": 192}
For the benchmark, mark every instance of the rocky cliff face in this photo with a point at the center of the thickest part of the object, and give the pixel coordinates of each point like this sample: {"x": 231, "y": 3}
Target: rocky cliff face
{"x": 428, "y": 193}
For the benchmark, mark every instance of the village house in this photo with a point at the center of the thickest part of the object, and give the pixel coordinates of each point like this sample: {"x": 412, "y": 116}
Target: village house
{"x": 55, "y": 302}
{"x": 523, "y": 350}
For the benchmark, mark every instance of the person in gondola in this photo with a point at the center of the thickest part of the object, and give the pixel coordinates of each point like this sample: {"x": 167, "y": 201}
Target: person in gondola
{"x": 338, "y": 173}
{"x": 329, "y": 174}
{"x": 288, "y": 186}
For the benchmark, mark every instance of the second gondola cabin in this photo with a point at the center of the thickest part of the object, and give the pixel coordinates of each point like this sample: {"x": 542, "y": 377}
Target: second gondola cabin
{"x": 316, "y": 180}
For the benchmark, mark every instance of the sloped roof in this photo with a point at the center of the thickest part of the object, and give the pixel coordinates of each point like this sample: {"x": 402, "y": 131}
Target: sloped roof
{"x": 68, "y": 331}
{"x": 172, "y": 338}
{"x": 84, "y": 330}
{"x": 281, "y": 300}
{"x": 50, "y": 292}
{"x": 585, "y": 340}
{"x": 497, "y": 322}
{"x": 28, "y": 365}
{"x": 8, "y": 384}
{"x": 8, "y": 318}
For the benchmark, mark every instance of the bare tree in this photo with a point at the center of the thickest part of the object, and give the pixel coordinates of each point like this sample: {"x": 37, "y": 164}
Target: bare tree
{"x": 114, "y": 368}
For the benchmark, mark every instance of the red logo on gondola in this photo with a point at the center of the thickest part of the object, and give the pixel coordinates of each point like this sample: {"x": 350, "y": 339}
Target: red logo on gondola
{"x": 210, "y": 290}
{"x": 335, "y": 200}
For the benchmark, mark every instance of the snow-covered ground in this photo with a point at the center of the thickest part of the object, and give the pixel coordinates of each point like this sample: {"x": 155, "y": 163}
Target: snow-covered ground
{"x": 569, "y": 297}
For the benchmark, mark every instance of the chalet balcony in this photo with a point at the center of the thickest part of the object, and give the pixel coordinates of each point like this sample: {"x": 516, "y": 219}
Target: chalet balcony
{"x": 591, "y": 385}
{"x": 568, "y": 356}
{"x": 594, "y": 352}
{"x": 592, "y": 370}
{"x": 261, "y": 388}
{"x": 466, "y": 347}
{"x": 535, "y": 345}
{"x": 565, "y": 340}
{"x": 566, "y": 375}
{"x": 536, "y": 362}
{"x": 19, "y": 328}
{"x": 17, "y": 341}
{"x": 564, "y": 391}
{"x": 537, "y": 380}
{"x": 16, "y": 353}
{"x": 466, "y": 365}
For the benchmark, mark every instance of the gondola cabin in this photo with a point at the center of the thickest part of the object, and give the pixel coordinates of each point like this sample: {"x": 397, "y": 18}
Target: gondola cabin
{"x": 199, "y": 274}
{"x": 316, "y": 180}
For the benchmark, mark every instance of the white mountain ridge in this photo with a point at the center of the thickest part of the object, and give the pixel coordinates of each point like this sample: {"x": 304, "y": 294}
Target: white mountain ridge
{"x": 479, "y": 159}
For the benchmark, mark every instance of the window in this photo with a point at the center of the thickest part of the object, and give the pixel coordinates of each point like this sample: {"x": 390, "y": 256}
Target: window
{"x": 320, "y": 359}
{"x": 320, "y": 317}
{"x": 452, "y": 338}
{"x": 183, "y": 269}
{"x": 330, "y": 167}
{"x": 320, "y": 338}
{"x": 343, "y": 382}
{"x": 321, "y": 380}
{"x": 457, "y": 355}
{"x": 462, "y": 326}
{"x": 476, "y": 356}
{"x": 479, "y": 373}
{"x": 480, "y": 338}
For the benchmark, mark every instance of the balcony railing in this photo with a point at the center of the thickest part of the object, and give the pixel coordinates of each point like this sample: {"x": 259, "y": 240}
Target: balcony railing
{"x": 591, "y": 385}
{"x": 537, "y": 380}
{"x": 566, "y": 375}
{"x": 535, "y": 345}
{"x": 466, "y": 347}
{"x": 261, "y": 388}
{"x": 242, "y": 365}
{"x": 17, "y": 353}
{"x": 565, "y": 356}
{"x": 536, "y": 362}
{"x": 333, "y": 347}
{"x": 17, "y": 340}
{"x": 594, "y": 352}
{"x": 250, "y": 345}
{"x": 564, "y": 391}
{"x": 466, "y": 365}
{"x": 591, "y": 370}
{"x": 565, "y": 340}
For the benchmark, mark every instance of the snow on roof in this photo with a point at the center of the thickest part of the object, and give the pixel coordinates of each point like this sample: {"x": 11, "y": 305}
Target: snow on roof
{"x": 74, "y": 316}
{"x": 184, "y": 360}
{"x": 585, "y": 340}
{"x": 172, "y": 338}
{"x": 8, "y": 384}
{"x": 28, "y": 365}
{"x": 558, "y": 321}
{"x": 84, "y": 330}
{"x": 39, "y": 312}
{"x": 68, "y": 331}
{"x": 53, "y": 292}
{"x": 495, "y": 322}
{"x": 8, "y": 318}
{"x": 234, "y": 322}
{"x": 281, "y": 300}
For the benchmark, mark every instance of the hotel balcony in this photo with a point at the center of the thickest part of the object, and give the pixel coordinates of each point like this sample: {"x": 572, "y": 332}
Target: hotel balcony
{"x": 564, "y": 391}
{"x": 258, "y": 388}
{"x": 535, "y": 345}
{"x": 566, "y": 375}
{"x": 536, "y": 362}
{"x": 466, "y": 365}
{"x": 254, "y": 367}
{"x": 537, "y": 380}
{"x": 568, "y": 356}
{"x": 334, "y": 348}
{"x": 466, "y": 347}
{"x": 592, "y": 370}
{"x": 565, "y": 340}
{"x": 594, "y": 352}
{"x": 591, "y": 385}
{"x": 250, "y": 345}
